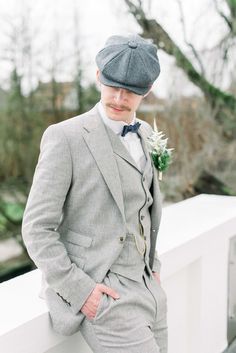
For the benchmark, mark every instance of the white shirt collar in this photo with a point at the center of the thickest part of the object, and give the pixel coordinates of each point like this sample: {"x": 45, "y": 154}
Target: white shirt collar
{"x": 115, "y": 125}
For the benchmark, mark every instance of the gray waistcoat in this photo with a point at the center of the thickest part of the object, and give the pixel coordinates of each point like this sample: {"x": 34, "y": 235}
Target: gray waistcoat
{"x": 135, "y": 186}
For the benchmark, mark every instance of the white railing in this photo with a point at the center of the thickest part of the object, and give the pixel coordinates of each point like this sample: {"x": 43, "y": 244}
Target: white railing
{"x": 193, "y": 247}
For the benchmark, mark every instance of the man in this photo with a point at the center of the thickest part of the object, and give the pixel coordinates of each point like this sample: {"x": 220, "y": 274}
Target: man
{"x": 94, "y": 209}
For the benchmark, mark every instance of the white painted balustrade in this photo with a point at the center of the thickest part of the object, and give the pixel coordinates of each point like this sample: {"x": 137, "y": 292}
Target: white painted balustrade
{"x": 193, "y": 245}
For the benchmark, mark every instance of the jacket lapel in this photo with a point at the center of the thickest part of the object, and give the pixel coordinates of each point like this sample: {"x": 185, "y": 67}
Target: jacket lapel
{"x": 120, "y": 149}
{"x": 156, "y": 194}
{"x": 97, "y": 139}
{"x": 98, "y": 142}
{"x": 143, "y": 137}
{"x": 157, "y": 203}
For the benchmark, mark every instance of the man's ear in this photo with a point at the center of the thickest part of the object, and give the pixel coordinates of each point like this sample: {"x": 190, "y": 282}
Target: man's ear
{"x": 97, "y": 76}
{"x": 146, "y": 94}
{"x": 97, "y": 79}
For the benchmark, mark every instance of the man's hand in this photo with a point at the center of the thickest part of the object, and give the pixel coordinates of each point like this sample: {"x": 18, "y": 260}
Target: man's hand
{"x": 89, "y": 308}
{"x": 157, "y": 277}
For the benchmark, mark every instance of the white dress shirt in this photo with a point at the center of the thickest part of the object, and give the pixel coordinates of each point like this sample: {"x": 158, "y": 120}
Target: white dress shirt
{"x": 131, "y": 140}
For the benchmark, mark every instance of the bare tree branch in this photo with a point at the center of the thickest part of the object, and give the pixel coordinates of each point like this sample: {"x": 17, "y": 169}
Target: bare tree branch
{"x": 152, "y": 29}
{"x": 232, "y": 8}
{"x": 195, "y": 53}
{"x": 222, "y": 103}
{"x": 223, "y": 15}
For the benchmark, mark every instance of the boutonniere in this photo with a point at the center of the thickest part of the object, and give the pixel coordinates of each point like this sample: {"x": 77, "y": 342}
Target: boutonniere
{"x": 157, "y": 146}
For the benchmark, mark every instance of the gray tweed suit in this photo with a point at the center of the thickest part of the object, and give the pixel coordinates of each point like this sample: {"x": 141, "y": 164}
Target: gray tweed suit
{"x": 79, "y": 227}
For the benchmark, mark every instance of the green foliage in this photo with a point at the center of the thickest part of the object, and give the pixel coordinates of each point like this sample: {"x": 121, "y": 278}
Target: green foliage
{"x": 11, "y": 214}
{"x": 227, "y": 191}
{"x": 162, "y": 161}
{"x": 13, "y": 211}
{"x": 87, "y": 97}
{"x": 3, "y": 223}
{"x": 25, "y": 118}
{"x": 90, "y": 97}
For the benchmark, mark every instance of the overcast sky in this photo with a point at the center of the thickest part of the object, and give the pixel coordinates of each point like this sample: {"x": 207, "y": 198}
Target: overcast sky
{"x": 98, "y": 19}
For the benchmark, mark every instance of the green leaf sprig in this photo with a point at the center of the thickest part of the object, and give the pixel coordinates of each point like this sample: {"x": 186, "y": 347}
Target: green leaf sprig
{"x": 161, "y": 155}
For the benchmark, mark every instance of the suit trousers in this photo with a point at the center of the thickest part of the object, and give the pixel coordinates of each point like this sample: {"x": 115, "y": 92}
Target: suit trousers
{"x": 134, "y": 323}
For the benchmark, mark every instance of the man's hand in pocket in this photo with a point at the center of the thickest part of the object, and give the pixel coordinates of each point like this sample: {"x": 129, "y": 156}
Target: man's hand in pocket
{"x": 89, "y": 308}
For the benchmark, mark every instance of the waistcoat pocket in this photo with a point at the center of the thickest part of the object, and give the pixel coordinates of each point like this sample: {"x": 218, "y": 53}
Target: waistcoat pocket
{"x": 129, "y": 254}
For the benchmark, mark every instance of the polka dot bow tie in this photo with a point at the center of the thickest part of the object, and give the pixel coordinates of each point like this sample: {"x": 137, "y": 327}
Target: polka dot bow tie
{"x": 130, "y": 128}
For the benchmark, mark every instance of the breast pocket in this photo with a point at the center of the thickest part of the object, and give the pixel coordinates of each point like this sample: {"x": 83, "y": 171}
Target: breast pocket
{"x": 76, "y": 245}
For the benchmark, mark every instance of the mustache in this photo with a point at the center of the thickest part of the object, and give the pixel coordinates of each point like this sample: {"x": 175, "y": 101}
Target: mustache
{"x": 121, "y": 107}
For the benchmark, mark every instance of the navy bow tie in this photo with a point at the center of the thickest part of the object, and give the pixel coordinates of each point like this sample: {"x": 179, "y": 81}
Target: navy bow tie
{"x": 130, "y": 128}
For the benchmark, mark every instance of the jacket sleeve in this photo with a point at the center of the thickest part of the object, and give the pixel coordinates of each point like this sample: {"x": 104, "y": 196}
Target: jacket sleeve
{"x": 42, "y": 215}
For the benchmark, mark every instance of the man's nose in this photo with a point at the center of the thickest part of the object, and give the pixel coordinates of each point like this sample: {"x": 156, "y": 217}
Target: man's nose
{"x": 119, "y": 95}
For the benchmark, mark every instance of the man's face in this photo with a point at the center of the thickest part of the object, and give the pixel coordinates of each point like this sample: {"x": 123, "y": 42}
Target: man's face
{"x": 119, "y": 103}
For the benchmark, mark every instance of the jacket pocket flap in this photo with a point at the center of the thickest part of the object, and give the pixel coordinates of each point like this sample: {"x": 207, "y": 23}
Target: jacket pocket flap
{"x": 78, "y": 239}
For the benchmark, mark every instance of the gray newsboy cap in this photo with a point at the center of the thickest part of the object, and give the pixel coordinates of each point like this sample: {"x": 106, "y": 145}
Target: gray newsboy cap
{"x": 128, "y": 62}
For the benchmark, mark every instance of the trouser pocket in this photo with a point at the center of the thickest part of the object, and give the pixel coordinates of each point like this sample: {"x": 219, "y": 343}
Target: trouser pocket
{"x": 100, "y": 307}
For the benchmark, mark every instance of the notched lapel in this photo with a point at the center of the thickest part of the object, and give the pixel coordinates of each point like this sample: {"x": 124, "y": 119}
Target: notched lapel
{"x": 156, "y": 206}
{"x": 98, "y": 142}
{"x": 120, "y": 149}
{"x": 143, "y": 136}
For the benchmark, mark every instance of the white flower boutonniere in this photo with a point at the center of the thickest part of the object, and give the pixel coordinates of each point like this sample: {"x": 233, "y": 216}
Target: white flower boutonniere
{"x": 157, "y": 146}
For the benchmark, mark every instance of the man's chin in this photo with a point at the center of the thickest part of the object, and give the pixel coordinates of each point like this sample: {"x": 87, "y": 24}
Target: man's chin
{"x": 117, "y": 117}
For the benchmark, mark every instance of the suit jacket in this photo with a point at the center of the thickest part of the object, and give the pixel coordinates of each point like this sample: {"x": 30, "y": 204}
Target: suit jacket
{"x": 74, "y": 223}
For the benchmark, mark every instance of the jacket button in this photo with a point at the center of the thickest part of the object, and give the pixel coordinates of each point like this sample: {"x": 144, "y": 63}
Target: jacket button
{"x": 142, "y": 217}
{"x": 121, "y": 239}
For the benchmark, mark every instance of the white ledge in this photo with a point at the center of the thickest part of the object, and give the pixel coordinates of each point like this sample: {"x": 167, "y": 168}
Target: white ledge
{"x": 186, "y": 220}
{"x": 193, "y": 248}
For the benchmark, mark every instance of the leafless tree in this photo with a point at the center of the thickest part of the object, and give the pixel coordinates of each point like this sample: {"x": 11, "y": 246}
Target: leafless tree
{"x": 223, "y": 103}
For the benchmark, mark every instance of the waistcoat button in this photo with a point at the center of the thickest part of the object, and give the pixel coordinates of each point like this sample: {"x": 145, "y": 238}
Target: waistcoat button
{"x": 121, "y": 239}
{"x": 142, "y": 217}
